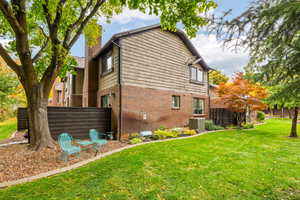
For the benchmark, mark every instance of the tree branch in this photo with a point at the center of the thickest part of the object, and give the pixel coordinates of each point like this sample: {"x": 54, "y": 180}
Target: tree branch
{"x": 73, "y": 26}
{"x": 39, "y": 53}
{"x": 50, "y": 74}
{"x": 9, "y": 61}
{"x": 47, "y": 14}
{"x": 84, "y": 23}
{"x": 10, "y": 16}
{"x": 58, "y": 15}
{"x": 57, "y": 60}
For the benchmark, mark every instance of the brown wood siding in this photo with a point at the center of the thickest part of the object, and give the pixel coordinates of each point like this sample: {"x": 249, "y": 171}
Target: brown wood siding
{"x": 111, "y": 79}
{"x": 75, "y": 121}
{"x": 157, "y": 59}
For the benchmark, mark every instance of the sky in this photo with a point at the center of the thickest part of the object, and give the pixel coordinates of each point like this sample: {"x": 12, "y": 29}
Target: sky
{"x": 212, "y": 51}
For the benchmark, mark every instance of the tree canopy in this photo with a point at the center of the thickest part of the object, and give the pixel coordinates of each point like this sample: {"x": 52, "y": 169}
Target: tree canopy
{"x": 11, "y": 92}
{"x": 42, "y": 32}
{"x": 216, "y": 77}
{"x": 241, "y": 95}
{"x": 270, "y": 30}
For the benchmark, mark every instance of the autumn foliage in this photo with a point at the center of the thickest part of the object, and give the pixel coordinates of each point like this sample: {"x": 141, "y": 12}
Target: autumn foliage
{"x": 241, "y": 95}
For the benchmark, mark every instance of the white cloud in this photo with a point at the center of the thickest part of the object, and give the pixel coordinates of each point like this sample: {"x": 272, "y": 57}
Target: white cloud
{"x": 216, "y": 56}
{"x": 129, "y": 15}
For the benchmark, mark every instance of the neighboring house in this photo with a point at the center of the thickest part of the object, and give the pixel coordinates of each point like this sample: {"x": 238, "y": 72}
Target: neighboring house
{"x": 149, "y": 77}
{"x": 67, "y": 92}
{"x": 214, "y": 98}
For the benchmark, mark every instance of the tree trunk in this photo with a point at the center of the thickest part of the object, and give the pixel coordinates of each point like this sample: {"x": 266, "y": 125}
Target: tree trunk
{"x": 239, "y": 119}
{"x": 290, "y": 113}
{"x": 271, "y": 112}
{"x": 248, "y": 114}
{"x": 39, "y": 132}
{"x": 294, "y": 123}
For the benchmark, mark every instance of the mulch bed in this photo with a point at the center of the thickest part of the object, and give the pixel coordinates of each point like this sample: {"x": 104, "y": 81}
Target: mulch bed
{"x": 18, "y": 161}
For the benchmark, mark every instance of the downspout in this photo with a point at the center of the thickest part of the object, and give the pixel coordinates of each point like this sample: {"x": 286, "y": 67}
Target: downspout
{"x": 208, "y": 93}
{"x": 120, "y": 94}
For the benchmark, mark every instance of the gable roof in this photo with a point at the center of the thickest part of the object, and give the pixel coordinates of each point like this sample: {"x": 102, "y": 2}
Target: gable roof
{"x": 179, "y": 33}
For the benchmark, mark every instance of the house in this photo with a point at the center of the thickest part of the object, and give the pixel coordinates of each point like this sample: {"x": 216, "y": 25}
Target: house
{"x": 215, "y": 101}
{"x": 149, "y": 78}
{"x": 67, "y": 91}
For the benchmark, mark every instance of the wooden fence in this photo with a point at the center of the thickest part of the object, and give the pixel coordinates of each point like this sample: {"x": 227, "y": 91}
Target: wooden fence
{"x": 22, "y": 122}
{"x": 75, "y": 121}
{"x": 222, "y": 116}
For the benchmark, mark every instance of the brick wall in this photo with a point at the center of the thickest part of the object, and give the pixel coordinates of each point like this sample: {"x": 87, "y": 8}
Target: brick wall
{"x": 147, "y": 109}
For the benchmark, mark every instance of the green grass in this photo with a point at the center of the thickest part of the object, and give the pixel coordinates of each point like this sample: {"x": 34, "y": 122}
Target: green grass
{"x": 239, "y": 164}
{"x": 7, "y": 128}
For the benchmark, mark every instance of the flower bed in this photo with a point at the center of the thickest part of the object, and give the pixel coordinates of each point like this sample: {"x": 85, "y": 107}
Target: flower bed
{"x": 161, "y": 134}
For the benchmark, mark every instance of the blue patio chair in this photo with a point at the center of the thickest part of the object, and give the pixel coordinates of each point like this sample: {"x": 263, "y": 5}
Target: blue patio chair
{"x": 94, "y": 135}
{"x": 65, "y": 143}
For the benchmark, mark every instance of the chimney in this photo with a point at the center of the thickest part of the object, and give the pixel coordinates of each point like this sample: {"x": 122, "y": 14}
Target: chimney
{"x": 91, "y": 74}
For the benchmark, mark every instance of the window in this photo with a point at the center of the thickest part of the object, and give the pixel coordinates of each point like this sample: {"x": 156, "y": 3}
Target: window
{"x": 198, "y": 106}
{"x": 105, "y": 101}
{"x": 196, "y": 74}
{"x": 107, "y": 62}
{"x": 175, "y": 101}
{"x": 193, "y": 73}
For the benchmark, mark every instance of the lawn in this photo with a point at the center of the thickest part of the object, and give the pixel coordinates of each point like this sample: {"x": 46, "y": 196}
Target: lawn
{"x": 7, "y": 128}
{"x": 254, "y": 164}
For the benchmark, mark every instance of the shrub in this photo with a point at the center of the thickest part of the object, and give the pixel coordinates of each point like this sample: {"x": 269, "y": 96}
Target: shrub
{"x": 216, "y": 127}
{"x": 247, "y": 125}
{"x": 161, "y": 134}
{"x": 134, "y": 135}
{"x": 209, "y": 125}
{"x": 260, "y": 116}
{"x": 177, "y": 129}
{"x": 162, "y": 127}
{"x": 190, "y": 132}
{"x": 136, "y": 140}
{"x": 154, "y": 137}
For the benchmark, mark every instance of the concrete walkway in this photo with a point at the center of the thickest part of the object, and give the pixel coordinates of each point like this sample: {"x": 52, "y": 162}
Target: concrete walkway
{"x": 10, "y": 143}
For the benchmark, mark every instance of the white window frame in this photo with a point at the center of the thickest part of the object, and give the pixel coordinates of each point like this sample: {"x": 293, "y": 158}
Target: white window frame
{"x": 174, "y": 97}
{"x": 199, "y": 76}
{"x": 194, "y": 107}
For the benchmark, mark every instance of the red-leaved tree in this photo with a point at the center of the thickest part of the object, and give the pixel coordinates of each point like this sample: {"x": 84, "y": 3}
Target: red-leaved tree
{"x": 242, "y": 96}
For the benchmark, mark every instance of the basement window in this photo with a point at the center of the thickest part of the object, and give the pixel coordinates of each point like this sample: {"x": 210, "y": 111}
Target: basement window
{"x": 176, "y": 102}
